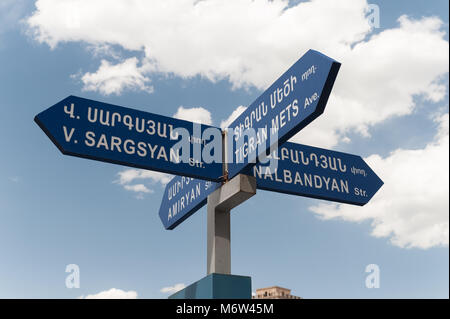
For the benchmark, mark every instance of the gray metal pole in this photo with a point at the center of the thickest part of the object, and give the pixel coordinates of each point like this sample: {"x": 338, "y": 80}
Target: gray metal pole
{"x": 220, "y": 203}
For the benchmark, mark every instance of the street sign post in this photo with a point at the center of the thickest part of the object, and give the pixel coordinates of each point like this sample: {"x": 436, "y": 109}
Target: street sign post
{"x": 119, "y": 135}
{"x": 182, "y": 197}
{"x": 209, "y": 159}
{"x": 288, "y": 105}
{"x": 318, "y": 173}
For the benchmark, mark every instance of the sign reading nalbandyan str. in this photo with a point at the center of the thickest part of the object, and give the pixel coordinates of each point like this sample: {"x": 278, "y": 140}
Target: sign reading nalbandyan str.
{"x": 183, "y": 196}
{"x": 119, "y": 135}
{"x": 318, "y": 173}
{"x": 288, "y": 105}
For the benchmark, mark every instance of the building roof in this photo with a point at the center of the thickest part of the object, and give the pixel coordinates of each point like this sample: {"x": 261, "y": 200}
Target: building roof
{"x": 272, "y": 287}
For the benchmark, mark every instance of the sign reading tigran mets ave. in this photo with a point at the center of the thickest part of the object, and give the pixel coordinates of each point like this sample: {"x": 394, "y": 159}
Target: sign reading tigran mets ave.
{"x": 204, "y": 157}
{"x": 293, "y": 101}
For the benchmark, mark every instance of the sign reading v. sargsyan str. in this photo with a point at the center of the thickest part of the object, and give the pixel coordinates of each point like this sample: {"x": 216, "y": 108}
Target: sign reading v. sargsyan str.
{"x": 115, "y": 134}
{"x": 288, "y": 105}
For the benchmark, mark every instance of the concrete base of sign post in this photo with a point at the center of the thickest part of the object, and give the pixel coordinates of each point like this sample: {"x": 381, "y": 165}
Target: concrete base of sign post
{"x": 217, "y": 286}
{"x": 220, "y": 203}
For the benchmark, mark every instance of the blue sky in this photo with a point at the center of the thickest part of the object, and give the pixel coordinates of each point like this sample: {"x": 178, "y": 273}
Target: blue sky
{"x": 389, "y": 105}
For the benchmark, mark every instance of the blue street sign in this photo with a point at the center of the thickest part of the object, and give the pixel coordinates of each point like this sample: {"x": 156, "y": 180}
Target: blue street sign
{"x": 183, "y": 196}
{"x": 119, "y": 135}
{"x": 318, "y": 173}
{"x": 288, "y": 105}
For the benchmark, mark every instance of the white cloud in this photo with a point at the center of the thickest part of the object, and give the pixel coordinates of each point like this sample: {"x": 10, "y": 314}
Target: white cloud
{"x": 113, "y": 79}
{"x": 248, "y": 42}
{"x": 195, "y": 114}
{"x": 127, "y": 177}
{"x": 412, "y": 206}
{"x": 138, "y": 188}
{"x": 251, "y": 43}
{"x": 234, "y": 115}
{"x": 173, "y": 289}
{"x": 380, "y": 78}
{"x": 113, "y": 293}
{"x": 104, "y": 50}
{"x": 346, "y": 139}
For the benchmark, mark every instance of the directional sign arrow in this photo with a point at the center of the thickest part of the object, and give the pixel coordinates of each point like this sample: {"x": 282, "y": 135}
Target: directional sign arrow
{"x": 288, "y": 105}
{"x": 115, "y": 134}
{"x": 318, "y": 173}
{"x": 183, "y": 196}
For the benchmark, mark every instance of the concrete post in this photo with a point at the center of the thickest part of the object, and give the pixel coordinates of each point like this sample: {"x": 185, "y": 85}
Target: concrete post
{"x": 220, "y": 203}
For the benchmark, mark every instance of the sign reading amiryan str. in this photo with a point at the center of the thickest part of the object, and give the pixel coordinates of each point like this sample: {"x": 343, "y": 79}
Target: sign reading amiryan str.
{"x": 302, "y": 170}
{"x": 182, "y": 197}
{"x": 288, "y": 105}
{"x": 115, "y": 134}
